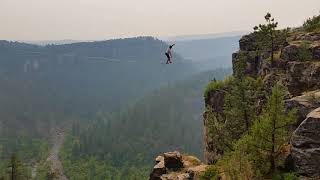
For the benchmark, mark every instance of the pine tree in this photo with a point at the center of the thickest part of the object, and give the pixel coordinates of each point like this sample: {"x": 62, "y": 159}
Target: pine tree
{"x": 270, "y": 132}
{"x": 239, "y": 107}
{"x": 267, "y": 34}
{"x": 15, "y": 166}
{"x": 268, "y": 37}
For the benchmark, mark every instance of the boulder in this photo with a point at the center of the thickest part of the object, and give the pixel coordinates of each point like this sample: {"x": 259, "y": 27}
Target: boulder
{"x": 302, "y": 76}
{"x": 159, "y": 159}
{"x": 190, "y": 161}
{"x": 305, "y": 142}
{"x": 316, "y": 52}
{"x": 176, "y": 176}
{"x": 304, "y": 104}
{"x": 174, "y": 166}
{"x": 173, "y": 160}
{"x": 159, "y": 169}
{"x": 197, "y": 171}
{"x": 290, "y": 52}
{"x": 247, "y": 42}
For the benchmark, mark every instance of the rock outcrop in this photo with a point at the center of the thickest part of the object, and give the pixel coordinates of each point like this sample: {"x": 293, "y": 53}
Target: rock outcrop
{"x": 304, "y": 104}
{"x": 174, "y": 166}
{"x": 306, "y": 146}
{"x": 301, "y": 78}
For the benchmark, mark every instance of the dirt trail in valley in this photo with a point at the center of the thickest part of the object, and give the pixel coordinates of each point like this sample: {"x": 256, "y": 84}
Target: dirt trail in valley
{"x": 58, "y": 136}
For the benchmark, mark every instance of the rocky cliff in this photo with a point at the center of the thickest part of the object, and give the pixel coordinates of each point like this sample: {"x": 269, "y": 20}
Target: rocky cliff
{"x": 300, "y": 76}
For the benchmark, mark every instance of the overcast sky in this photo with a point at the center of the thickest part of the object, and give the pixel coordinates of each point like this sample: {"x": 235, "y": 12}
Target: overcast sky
{"x": 104, "y": 19}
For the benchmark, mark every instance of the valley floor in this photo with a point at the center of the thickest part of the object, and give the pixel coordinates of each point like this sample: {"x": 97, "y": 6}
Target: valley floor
{"x": 53, "y": 158}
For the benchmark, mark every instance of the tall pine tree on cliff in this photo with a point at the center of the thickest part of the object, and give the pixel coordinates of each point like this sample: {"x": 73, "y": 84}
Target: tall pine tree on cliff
{"x": 267, "y": 34}
{"x": 270, "y": 132}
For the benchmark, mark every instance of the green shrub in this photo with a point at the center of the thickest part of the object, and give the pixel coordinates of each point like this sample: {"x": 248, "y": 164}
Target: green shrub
{"x": 312, "y": 24}
{"x": 215, "y": 85}
{"x": 210, "y": 174}
{"x": 304, "y": 54}
{"x": 286, "y": 176}
{"x": 290, "y": 176}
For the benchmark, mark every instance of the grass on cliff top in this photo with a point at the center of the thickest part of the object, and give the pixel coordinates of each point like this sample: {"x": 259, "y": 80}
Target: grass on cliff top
{"x": 312, "y": 24}
{"x": 215, "y": 85}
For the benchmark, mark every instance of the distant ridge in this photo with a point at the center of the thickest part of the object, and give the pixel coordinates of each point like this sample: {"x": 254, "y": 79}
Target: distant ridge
{"x": 54, "y": 42}
{"x": 203, "y": 36}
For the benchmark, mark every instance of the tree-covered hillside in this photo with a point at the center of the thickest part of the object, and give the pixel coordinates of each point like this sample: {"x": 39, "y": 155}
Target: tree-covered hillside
{"x": 49, "y": 83}
{"x": 47, "y": 87}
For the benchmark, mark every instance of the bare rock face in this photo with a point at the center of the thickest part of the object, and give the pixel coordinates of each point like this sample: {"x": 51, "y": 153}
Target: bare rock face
{"x": 215, "y": 100}
{"x": 316, "y": 52}
{"x": 290, "y": 53}
{"x": 304, "y": 104}
{"x": 173, "y": 160}
{"x": 303, "y": 76}
{"x": 306, "y": 146}
{"x": 312, "y": 36}
{"x": 247, "y": 42}
{"x": 159, "y": 169}
{"x": 174, "y": 166}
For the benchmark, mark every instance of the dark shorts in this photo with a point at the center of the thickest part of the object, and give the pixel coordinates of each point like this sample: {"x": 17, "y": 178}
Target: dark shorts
{"x": 167, "y": 55}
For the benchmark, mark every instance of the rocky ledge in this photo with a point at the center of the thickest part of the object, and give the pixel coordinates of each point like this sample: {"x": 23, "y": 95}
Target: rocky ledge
{"x": 306, "y": 146}
{"x": 175, "y": 166}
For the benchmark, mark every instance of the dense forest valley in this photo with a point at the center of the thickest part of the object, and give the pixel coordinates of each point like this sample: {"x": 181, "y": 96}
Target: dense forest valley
{"x": 102, "y": 110}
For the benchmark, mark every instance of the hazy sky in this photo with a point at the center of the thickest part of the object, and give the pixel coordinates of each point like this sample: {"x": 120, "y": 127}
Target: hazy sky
{"x": 103, "y": 19}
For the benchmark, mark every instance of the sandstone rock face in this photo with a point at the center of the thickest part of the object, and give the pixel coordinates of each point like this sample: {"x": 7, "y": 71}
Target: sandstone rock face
{"x": 306, "y": 146}
{"x": 174, "y": 166}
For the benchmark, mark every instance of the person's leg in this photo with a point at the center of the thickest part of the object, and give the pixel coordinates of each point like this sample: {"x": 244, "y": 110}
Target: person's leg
{"x": 168, "y": 58}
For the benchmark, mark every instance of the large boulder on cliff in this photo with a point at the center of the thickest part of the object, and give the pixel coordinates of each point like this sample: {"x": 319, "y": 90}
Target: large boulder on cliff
{"x": 173, "y": 160}
{"x": 302, "y": 76}
{"x": 304, "y": 104}
{"x": 293, "y": 51}
{"x": 248, "y": 42}
{"x": 306, "y": 146}
{"x": 174, "y": 166}
{"x": 290, "y": 53}
{"x": 316, "y": 52}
